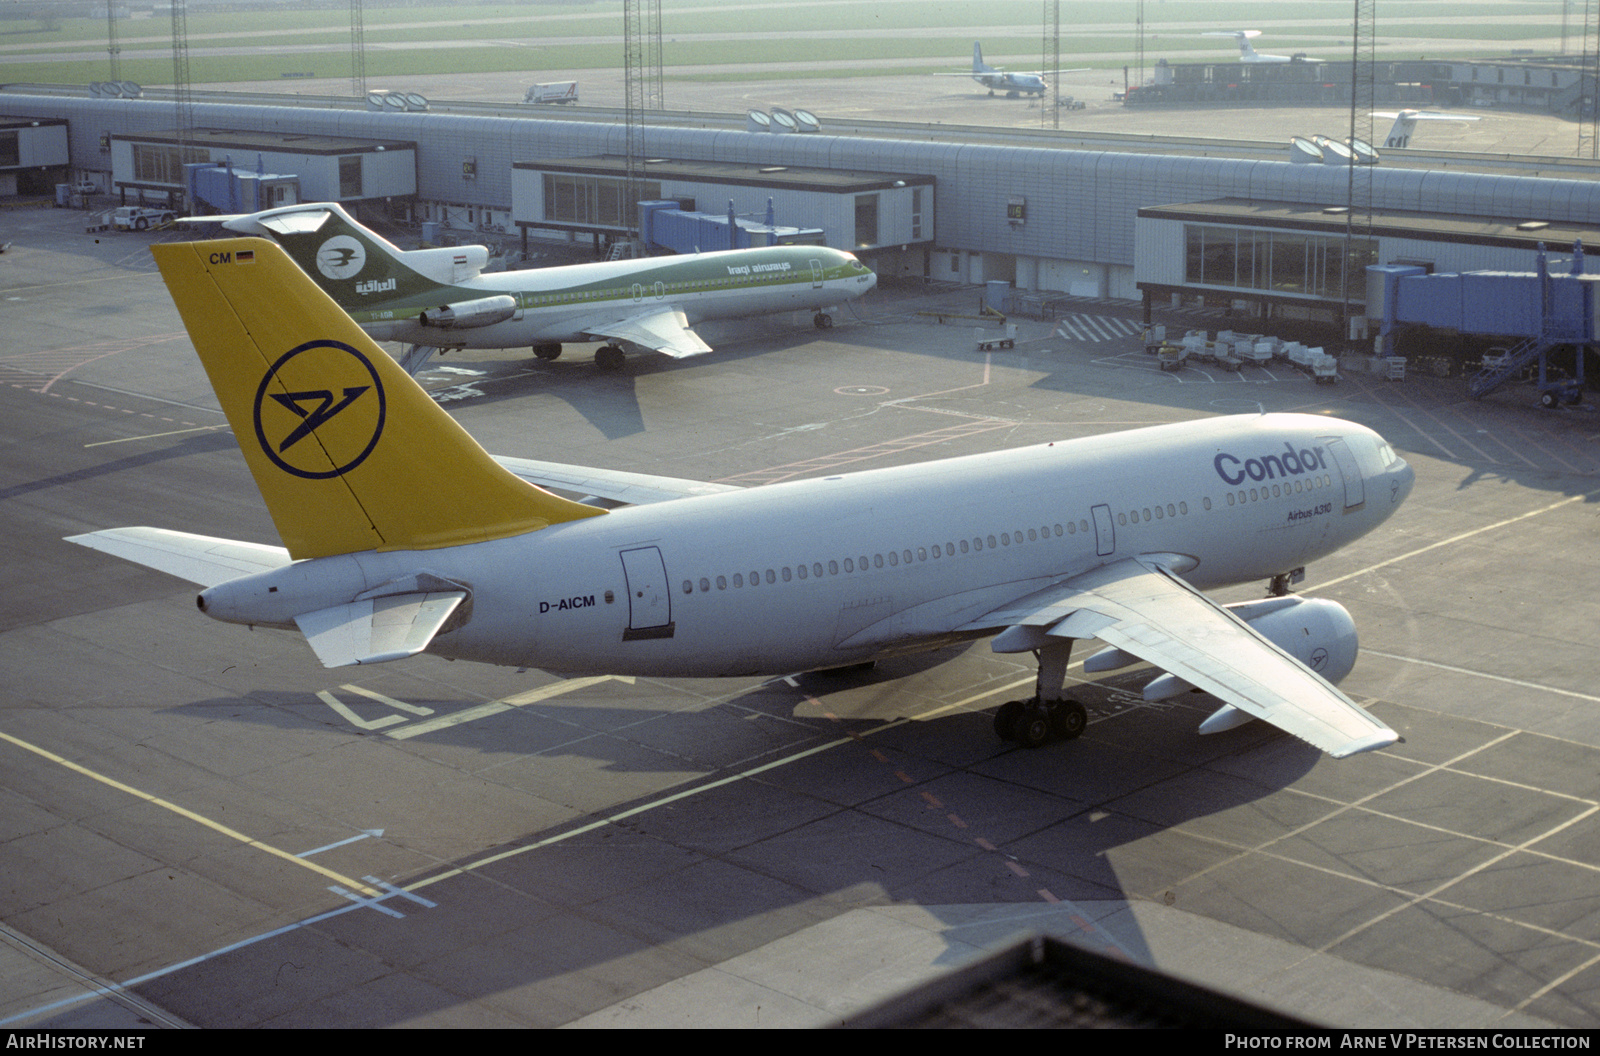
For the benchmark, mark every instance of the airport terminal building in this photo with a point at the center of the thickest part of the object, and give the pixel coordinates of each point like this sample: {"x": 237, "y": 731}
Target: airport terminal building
{"x": 937, "y": 205}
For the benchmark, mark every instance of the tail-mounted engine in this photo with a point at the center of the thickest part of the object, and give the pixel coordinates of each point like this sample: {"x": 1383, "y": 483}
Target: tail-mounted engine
{"x": 468, "y": 315}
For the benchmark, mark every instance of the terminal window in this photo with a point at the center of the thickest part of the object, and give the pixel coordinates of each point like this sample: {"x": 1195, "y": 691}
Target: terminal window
{"x": 156, "y": 163}
{"x": 1279, "y": 261}
{"x": 592, "y": 200}
{"x": 350, "y": 177}
{"x": 866, "y": 220}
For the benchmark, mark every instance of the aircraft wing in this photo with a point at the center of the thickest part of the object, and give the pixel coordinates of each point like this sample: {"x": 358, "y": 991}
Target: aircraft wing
{"x": 197, "y": 558}
{"x": 666, "y": 330}
{"x": 634, "y": 489}
{"x": 1142, "y": 608}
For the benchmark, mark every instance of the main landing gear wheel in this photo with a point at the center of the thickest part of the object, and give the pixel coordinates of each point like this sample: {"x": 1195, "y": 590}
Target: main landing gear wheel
{"x": 608, "y": 357}
{"x": 822, "y": 320}
{"x": 547, "y": 352}
{"x": 1032, "y": 725}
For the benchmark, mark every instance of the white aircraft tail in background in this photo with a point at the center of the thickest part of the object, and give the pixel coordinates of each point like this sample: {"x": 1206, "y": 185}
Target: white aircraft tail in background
{"x": 1405, "y": 123}
{"x": 1250, "y": 54}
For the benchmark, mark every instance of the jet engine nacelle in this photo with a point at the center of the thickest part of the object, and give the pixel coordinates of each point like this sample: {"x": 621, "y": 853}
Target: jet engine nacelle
{"x": 467, "y": 315}
{"x": 1315, "y": 631}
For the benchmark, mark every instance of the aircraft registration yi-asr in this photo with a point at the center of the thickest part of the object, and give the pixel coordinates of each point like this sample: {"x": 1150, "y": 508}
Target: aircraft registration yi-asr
{"x": 439, "y": 298}
{"x": 401, "y": 535}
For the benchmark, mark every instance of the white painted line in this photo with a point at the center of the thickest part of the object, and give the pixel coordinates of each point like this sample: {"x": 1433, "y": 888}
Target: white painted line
{"x": 720, "y": 782}
{"x": 400, "y": 891}
{"x": 356, "y": 720}
{"x": 1568, "y": 501}
{"x": 214, "y": 826}
{"x": 367, "y": 903}
{"x": 415, "y": 709}
{"x": 116, "y": 988}
{"x": 1484, "y": 674}
{"x": 496, "y": 707}
{"x": 357, "y": 838}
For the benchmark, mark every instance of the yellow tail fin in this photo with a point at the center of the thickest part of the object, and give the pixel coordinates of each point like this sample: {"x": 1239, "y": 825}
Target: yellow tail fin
{"x": 349, "y": 452}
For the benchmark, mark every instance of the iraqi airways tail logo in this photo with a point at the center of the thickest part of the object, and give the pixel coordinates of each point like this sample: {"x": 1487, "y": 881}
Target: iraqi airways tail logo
{"x": 341, "y": 257}
{"x": 320, "y": 410}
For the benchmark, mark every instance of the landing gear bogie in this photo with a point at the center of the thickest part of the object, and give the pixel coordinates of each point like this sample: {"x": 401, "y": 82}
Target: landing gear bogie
{"x": 1068, "y": 719}
{"x": 1005, "y": 719}
{"x": 609, "y": 357}
{"x": 1033, "y": 725}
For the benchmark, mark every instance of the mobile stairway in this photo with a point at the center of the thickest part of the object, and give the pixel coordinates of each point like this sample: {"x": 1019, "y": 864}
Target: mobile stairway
{"x": 1564, "y": 320}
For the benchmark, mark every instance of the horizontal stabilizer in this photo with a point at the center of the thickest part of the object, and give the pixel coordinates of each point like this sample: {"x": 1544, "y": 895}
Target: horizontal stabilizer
{"x": 377, "y": 629}
{"x": 634, "y": 489}
{"x": 197, "y": 558}
{"x": 665, "y": 330}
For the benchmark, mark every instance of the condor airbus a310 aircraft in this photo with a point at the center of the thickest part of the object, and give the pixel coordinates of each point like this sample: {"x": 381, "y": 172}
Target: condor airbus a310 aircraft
{"x": 401, "y": 536}
{"x": 438, "y": 299}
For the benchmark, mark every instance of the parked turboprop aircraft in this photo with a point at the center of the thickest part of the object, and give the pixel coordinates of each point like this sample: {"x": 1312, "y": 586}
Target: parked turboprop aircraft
{"x": 402, "y": 536}
{"x": 1405, "y": 123}
{"x": 438, "y": 298}
{"x": 1248, "y": 53}
{"x": 996, "y": 79}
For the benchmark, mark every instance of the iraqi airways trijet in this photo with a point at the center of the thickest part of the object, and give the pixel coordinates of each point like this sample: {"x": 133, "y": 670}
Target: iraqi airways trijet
{"x": 401, "y": 536}
{"x": 441, "y": 299}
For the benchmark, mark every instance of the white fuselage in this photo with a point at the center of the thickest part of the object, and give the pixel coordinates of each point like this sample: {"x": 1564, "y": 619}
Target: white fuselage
{"x": 838, "y": 570}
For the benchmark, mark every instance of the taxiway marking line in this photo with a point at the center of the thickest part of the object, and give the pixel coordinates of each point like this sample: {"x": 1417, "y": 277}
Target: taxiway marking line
{"x": 97, "y": 989}
{"x": 1568, "y": 501}
{"x": 495, "y": 707}
{"x": 155, "y": 436}
{"x": 184, "y": 812}
{"x": 687, "y": 793}
{"x": 1522, "y": 683}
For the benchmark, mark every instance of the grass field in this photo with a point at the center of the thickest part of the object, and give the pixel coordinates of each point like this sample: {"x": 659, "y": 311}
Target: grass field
{"x": 895, "y": 37}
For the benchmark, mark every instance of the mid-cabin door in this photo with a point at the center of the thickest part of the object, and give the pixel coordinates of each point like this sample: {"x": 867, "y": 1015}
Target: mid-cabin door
{"x": 649, "y": 600}
{"x": 1105, "y": 534}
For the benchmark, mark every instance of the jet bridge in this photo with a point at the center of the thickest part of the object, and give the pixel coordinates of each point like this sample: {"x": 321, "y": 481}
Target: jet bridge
{"x": 1538, "y": 312}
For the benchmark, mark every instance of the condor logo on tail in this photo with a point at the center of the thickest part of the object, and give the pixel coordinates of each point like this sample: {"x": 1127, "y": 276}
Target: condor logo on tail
{"x": 346, "y": 418}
